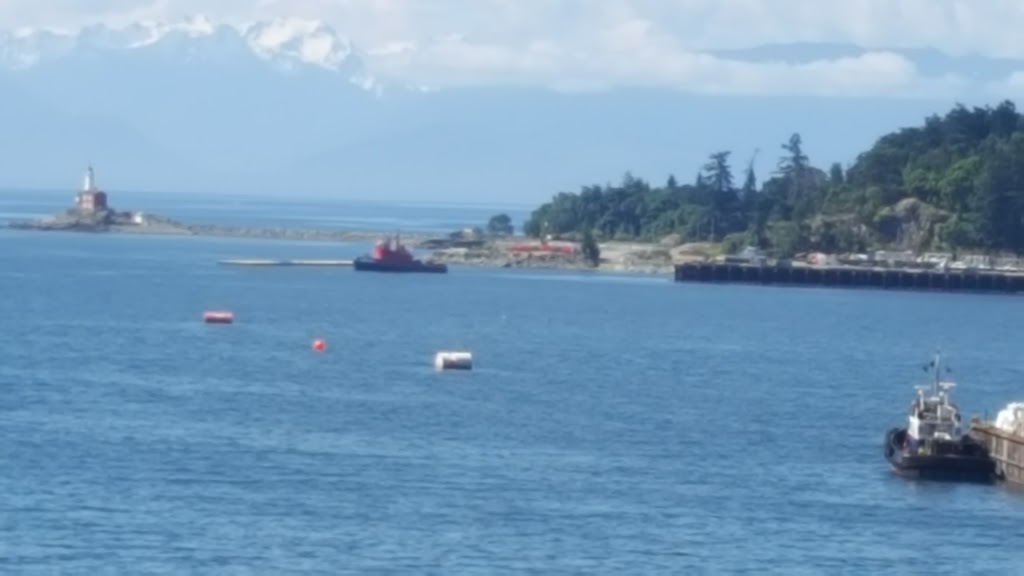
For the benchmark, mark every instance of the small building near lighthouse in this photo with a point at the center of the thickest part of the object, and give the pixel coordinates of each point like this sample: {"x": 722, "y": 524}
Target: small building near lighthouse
{"x": 91, "y": 198}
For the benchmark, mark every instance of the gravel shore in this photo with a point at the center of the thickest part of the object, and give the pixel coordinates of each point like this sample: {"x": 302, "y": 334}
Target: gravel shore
{"x": 622, "y": 257}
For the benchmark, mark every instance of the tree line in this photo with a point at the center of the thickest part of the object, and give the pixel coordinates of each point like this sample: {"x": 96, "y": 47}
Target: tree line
{"x": 955, "y": 183}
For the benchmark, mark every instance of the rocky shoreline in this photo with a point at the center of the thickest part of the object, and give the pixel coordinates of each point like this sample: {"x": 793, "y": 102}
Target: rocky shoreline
{"x": 620, "y": 257}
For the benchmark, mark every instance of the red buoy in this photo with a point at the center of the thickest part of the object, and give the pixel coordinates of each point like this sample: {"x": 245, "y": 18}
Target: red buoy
{"x": 319, "y": 345}
{"x": 218, "y": 317}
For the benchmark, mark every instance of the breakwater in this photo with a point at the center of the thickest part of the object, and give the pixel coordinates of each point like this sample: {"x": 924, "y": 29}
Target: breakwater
{"x": 259, "y": 262}
{"x": 486, "y": 253}
{"x": 160, "y": 226}
{"x": 304, "y": 234}
{"x": 852, "y": 277}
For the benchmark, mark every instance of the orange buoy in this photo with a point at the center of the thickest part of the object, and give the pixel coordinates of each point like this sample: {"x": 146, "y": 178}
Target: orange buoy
{"x": 218, "y": 317}
{"x": 319, "y": 345}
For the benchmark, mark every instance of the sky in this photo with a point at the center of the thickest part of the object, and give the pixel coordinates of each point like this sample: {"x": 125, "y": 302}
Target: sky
{"x": 839, "y": 99}
{"x": 594, "y": 44}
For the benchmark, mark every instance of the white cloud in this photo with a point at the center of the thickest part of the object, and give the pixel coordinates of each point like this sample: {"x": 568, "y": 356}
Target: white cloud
{"x": 628, "y": 55}
{"x": 585, "y": 44}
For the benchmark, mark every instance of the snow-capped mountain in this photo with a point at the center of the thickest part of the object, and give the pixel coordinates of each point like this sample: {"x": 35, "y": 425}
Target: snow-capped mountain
{"x": 211, "y": 99}
{"x": 286, "y": 42}
{"x": 299, "y": 41}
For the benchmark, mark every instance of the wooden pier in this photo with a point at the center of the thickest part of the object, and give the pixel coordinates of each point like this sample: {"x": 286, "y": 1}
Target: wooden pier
{"x": 852, "y": 277}
{"x": 1005, "y": 448}
{"x": 285, "y": 262}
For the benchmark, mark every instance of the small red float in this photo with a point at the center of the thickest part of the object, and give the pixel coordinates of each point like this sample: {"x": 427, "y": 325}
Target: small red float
{"x": 319, "y": 345}
{"x": 218, "y": 317}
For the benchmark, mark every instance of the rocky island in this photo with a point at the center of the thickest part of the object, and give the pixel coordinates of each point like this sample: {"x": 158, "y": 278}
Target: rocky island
{"x": 92, "y": 212}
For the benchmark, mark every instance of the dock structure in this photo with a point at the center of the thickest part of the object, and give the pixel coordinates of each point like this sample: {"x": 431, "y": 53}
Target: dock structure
{"x": 852, "y": 277}
{"x": 1005, "y": 448}
{"x": 286, "y": 262}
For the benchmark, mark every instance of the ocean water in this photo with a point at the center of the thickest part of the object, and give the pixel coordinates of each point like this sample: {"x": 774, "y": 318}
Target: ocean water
{"x": 612, "y": 424}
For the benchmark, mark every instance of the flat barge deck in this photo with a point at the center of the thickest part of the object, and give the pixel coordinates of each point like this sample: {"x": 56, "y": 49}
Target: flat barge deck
{"x": 285, "y": 262}
{"x": 1005, "y": 448}
{"x": 852, "y": 277}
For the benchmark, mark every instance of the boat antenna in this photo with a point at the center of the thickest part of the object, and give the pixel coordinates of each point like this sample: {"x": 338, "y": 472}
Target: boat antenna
{"x": 935, "y": 367}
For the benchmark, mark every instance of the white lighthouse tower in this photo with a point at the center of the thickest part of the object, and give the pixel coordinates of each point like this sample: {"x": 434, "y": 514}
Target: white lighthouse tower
{"x": 90, "y": 198}
{"x": 90, "y": 180}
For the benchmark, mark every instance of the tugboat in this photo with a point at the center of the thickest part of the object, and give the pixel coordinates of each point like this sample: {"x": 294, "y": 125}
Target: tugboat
{"x": 933, "y": 445}
{"x": 389, "y": 255}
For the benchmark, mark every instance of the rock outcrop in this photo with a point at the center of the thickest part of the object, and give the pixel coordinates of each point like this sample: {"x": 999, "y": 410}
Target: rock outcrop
{"x": 910, "y": 224}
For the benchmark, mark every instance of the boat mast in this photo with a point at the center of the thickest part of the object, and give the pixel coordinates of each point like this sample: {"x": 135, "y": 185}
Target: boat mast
{"x": 941, "y": 388}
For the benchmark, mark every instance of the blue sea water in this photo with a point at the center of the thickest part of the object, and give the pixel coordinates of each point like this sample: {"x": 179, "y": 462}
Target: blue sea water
{"x": 613, "y": 424}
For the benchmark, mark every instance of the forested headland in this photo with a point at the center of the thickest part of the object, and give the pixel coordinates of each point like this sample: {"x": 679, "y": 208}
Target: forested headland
{"x": 956, "y": 183}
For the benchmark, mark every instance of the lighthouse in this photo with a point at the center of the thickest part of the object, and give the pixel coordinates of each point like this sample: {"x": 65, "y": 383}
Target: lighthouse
{"x": 90, "y": 181}
{"x": 90, "y": 198}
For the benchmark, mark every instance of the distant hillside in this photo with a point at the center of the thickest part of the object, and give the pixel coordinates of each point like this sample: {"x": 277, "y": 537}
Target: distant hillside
{"x": 955, "y": 182}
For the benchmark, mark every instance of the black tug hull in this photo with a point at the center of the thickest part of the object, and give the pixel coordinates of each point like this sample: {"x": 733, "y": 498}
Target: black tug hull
{"x": 364, "y": 264}
{"x": 965, "y": 461}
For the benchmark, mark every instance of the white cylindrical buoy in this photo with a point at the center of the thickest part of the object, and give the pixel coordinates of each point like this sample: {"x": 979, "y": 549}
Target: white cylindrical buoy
{"x": 453, "y": 361}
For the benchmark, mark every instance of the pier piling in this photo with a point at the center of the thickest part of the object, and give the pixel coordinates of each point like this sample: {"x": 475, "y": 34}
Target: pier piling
{"x": 852, "y": 277}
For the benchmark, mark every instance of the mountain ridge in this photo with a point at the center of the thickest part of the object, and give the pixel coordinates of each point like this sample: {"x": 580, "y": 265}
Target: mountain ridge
{"x": 284, "y": 41}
